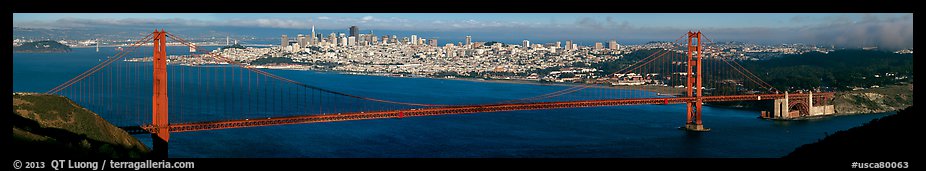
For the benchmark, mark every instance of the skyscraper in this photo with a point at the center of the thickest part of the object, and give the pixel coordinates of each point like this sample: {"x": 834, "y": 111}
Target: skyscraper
{"x": 283, "y": 42}
{"x": 301, "y": 40}
{"x": 598, "y": 46}
{"x": 612, "y": 45}
{"x": 569, "y": 45}
{"x": 525, "y": 44}
{"x": 343, "y": 42}
{"x": 433, "y": 42}
{"x": 559, "y": 44}
{"x": 414, "y": 40}
{"x": 312, "y": 39}
{"x": 333, "y": 39}
{"x": 351, "y": 41}
{"x": 354, "y": 31}
{"x": 469, "y": 39}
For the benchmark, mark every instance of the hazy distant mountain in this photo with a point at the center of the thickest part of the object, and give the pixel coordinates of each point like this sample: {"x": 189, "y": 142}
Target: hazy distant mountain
{"x": 272, "y": 35}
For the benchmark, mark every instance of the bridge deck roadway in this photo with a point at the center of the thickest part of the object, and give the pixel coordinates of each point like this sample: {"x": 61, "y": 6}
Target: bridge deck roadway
{"x": 316, "y": 118}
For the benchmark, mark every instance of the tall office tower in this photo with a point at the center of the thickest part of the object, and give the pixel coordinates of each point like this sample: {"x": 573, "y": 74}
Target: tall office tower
{"x": 414, "y": 40}
{"x": 312, "y": 40}
{"x": 569, "y": 45}
{"x": 343, "y": 42}
{"x": 525, "y": 44}
{"x": 333, "y": 39}
{"x": 612, "y": 45}
{"x": 559, "y": 44}
{"x": 598, "y": 46}
{"x": 385, "y": 39}
{"x": 227, "y": 40}
{"x": 284, "y": 41}
{"x": 351, "y": 41}
{"x": 372, "y": 38}
{"x": 469, "y": 39}
{"x": 300, "y": 39}
{"x": 433, "y": 42}
{"x": 354, "y": 31}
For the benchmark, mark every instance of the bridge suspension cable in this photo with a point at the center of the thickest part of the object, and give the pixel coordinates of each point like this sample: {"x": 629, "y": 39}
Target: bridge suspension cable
{"x": 258, "y": 71}
{"x": 745, "y": 72}
{"x": 652, "y": 57}
{"x": 100, "y": 66}
{"x": 221, "y": 99}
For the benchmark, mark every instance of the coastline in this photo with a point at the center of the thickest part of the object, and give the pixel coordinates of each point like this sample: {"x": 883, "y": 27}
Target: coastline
{"x": 672, "y": 91}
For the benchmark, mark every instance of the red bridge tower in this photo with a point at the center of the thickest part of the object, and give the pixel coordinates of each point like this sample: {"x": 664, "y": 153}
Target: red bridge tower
{"x": 159, "y": 95}
{"x": 694, "y": 77}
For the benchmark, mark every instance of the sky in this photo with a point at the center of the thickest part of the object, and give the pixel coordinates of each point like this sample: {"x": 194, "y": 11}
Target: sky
{"x": 891, "y": 30}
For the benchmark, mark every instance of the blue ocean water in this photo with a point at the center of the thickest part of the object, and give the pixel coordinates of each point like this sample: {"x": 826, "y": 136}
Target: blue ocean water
{"x": 622, "y": 131}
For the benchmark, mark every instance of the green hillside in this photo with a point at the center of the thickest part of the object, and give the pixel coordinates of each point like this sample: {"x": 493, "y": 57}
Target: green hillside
{"x": 54, "y": 126}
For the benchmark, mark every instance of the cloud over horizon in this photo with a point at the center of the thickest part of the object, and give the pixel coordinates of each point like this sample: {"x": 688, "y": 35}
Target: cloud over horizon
{"x": 893, "y": 32}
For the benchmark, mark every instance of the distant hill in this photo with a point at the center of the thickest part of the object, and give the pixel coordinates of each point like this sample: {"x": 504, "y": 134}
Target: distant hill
{"x": 891, "y": 138}
{"x": 839, "y": 70}
{"x": 42, "y": 47}
{"x": 54, "y": 126}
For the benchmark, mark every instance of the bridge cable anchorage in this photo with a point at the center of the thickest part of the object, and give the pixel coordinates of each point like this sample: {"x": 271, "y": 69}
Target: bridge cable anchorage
{"x": 98, "y": 67}
{"x": 218, "y": 56}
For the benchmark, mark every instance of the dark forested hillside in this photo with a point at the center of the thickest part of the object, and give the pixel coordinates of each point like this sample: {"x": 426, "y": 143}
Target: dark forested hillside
{"x": 838, "y": 70}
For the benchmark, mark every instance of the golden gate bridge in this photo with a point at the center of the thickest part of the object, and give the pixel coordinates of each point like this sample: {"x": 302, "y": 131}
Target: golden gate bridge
{"x": 239, "y": 95}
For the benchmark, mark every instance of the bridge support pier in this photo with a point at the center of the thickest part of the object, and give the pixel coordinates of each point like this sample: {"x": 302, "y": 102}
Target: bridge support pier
{"x": 159, "y": 149}
{"x": 696, "y": 128}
